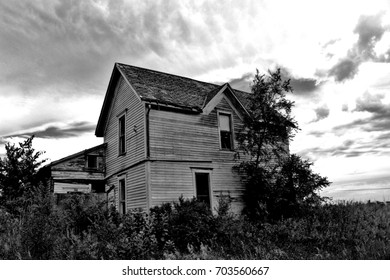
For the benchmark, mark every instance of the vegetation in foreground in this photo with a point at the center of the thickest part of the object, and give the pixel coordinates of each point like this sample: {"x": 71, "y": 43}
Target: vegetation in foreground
{"x": 32, "y": 227}
{"x": 84, "y": 229}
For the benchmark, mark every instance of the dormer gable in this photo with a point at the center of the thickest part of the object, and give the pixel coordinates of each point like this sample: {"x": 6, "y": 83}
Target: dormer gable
{"x": 225, "y": 91}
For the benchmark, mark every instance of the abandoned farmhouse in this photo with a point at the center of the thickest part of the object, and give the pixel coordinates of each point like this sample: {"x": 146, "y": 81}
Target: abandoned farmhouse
{"x": 163, "y": 136}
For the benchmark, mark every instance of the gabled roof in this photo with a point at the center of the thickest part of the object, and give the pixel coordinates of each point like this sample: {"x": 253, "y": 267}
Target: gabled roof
{"x": 95, "y": 148}
{"x": 163, "y": 88}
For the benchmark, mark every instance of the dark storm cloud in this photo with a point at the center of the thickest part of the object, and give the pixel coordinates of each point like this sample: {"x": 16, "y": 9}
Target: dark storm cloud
{"x": 56, "y": 132}
{"x": 54, "y": 43}
{"x": 330, "y": 42}
{"x": 28, "y": 124}
{"x": 73, "y": 44}
{"x": 345, "y": 69}
{"x": 321, "y": 113}
{"x": 384, "y": 136}
{"x": 349, "y": 148}
{"x": 344, "y": 108}
{"x": 370, "y": 31}
{"x": 346, "y": 148}
{"x": 317, "y": 133}
{"x": 301, "y": 86}
{"x": 380, "y": 112}
{"x": 378, "y": 121}
{"x": 243, "y": 83}
{"x": 384, "y": 57}
{"x": 375, "y": 123}
{"x": 304, "y": 86}
{"x": 372, "y": 104}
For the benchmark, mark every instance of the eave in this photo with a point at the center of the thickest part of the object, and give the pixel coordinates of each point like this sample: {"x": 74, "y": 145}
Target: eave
{"x": 86, "y": 151}
{"x": 170, "y": 105}
{"x": 108, "y": 99}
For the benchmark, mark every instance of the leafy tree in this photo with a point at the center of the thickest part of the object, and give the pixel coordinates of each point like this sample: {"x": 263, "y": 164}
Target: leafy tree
{"x": 269, "y": 171}
{"x": 270, "y": 125}
{"x": 18, "y": 174}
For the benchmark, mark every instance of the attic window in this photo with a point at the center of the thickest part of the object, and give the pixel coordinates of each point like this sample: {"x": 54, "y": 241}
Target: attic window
{"x": 225, "y": 131}
{"x": 92, "y": 161}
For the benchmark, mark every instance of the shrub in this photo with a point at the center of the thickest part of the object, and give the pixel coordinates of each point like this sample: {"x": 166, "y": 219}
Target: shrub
{"x": 187, "y": 229}
{"x": 10, "y": 246}
{"x": 185, "y": 223}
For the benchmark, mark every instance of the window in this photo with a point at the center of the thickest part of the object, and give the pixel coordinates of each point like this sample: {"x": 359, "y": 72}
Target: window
{"x": 122, "y": 135}
{"x": 92, "y": 161}
{"x": 202, "y": 185}
{"x": 225, "y": 131}
{"x": 202, "y": 182}
{"x": 122, "y": 196}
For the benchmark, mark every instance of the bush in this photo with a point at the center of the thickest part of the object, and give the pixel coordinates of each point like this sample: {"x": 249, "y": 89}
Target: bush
{"x": 82, "y": 229}
{"x": 10, "y": 246}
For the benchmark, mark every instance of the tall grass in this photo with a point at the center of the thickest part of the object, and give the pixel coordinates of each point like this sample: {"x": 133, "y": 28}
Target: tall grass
{"x": 86, "y": 229}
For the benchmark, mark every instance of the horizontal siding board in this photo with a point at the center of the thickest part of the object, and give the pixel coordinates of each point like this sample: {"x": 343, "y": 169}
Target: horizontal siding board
{"x": 170, "y": 180}
{"x": 191, "y": 138}
{"x": 136, "y": 187}
{"x": 71, "y": 187}
{"x": 175, "y": 135}
{"x": 78, "y": 162}
{"x": 136, "y": 194}
{"x": 125, "y": 99}
{"x": 70, "y": 174}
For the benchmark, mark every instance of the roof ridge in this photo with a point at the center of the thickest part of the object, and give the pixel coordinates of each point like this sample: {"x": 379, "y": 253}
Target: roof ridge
{"x": 184, "y": 77}
{"x": 165, "y": 73}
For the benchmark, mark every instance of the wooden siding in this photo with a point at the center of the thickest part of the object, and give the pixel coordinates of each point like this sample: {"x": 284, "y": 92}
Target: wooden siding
{"x": 75, "y": 167}
{"x": 67, "y": 187}
{"x": 182, "y": 142}
{"x": 125, "y": 101}
{"x": 136, "y": 190}
{"x": 76, "y": 175}
{"x": 79, "y": 163}
{"x": 170, "y": 180}
{"x": 181, "y": 136}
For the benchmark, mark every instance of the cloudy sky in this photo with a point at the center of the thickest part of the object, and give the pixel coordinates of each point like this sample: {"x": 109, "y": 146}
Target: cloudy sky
{"x": 57, "y": 57}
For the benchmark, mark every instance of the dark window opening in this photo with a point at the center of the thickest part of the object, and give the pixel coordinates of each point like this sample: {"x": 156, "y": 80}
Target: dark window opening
{"x": 225, "y": 132}
{"x": 226, "y": 140}
{"x": 98, "y": 187}
{"x": 202, "y": 181}
{"x": 122, "y": 140}
{"x": 92, "y": 161}
{"x": 122, "y": 196}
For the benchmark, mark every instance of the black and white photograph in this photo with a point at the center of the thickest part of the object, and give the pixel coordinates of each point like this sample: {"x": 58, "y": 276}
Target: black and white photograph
{"x": 195, "y": 130}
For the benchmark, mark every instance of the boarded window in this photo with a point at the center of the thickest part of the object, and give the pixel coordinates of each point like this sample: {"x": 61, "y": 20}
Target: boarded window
{"x": 202, "y": 181}
{"x": 225, "y": 131}
{"x": 122, "y": 135}
{"x": 122, "y": 196}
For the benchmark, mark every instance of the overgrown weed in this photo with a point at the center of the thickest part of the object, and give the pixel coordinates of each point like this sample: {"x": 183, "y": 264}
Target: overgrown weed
{"x": 85, "y": 229}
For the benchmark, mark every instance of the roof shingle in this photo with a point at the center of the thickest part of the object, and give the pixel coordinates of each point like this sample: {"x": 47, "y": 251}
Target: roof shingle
{"x": 162, "y": 87}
